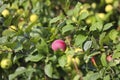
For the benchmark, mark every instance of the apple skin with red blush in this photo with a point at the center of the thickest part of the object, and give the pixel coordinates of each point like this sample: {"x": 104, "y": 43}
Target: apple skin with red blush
{"x": 58, "y": 45}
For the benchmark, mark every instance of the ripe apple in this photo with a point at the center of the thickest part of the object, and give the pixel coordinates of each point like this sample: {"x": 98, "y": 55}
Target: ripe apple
{"x": 6, "y": 63}
{"x": 33, "y": 18}
{"x": 108, "y": 8}
{"x": 58, "y": 45}
{"x": 5, "y": 13}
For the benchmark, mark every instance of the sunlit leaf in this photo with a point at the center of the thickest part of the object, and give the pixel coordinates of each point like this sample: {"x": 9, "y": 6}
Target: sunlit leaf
{"x": 48, "y": 70}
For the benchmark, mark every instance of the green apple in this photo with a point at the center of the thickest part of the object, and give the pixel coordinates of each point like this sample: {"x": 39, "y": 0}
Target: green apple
{"x": 6, "y": 63}
{"x": 20, "y": 11}
{"x": 108, "y": 8}
{"x": 109, "y": 1}
{"x": 5, "y": 13}
{"x": 101, "y": 16}
{"x": 93, "y": 5}
{"x": 33, "y": 18}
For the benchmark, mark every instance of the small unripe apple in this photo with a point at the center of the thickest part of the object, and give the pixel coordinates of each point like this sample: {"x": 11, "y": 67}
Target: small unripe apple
{"x": 93, "y": 5}
{"x": 20, "y": 11}
{"x": 5, "y": 13}
{"x": 108, "y": 8}
{"x": 109, "y": 58}
{"x": 33, "y": 18}
{"x": 6, "y": 63}
{"x": 101, "y": 16}
{"x": 109, "y": 1}
{"x": 74, "y": 19}
{"x": 58, "y": 45}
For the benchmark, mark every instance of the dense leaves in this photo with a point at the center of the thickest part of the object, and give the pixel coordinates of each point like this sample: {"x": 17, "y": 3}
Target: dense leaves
{"x": 89, "y": 28}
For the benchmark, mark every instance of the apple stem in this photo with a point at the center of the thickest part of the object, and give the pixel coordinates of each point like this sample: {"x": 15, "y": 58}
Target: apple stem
{"x": 77, "y": 70}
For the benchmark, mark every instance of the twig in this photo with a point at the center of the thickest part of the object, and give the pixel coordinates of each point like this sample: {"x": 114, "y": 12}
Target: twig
{"x": 77, "y": 70}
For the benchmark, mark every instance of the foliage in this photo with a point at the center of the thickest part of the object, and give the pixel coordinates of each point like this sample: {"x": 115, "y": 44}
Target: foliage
{"x": 90, "y": 32}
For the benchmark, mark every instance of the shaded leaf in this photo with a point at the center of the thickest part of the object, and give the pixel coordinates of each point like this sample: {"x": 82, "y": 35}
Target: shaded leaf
{"x": 34, "y": 58}
{"x": 67, "y": 28}
{"x": 92, "y": 76}
{"x": 62, "y": 61}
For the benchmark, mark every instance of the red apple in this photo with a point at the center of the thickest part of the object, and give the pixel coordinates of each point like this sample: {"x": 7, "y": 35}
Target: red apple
{"x": 58, "y": 45}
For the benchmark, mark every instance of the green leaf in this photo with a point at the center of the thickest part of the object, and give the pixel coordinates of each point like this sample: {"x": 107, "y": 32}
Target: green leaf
{"x": 17, "y": 57}
{"x": 95, "y": 44}
{"x": 8, "y": 21}
{"x": 3, "y": 7}
{"x": 92, "y": 76}
{"x": 79, "y": 40}
{"x": 77, "y": 9}
{"x": 77, "y": 77}
{"x": 3, "y": 40}
{"x": 48, "y": 70}
{"x": 107, "y": 77}
{"x": 87, "y": 45}
{"x": 107, "y": 26}
{"x": 103, "y": 59}
{"x": 62, "y": 60}
{"x": 118, "y": 47}
{"x": 67, "y": 28}
{"x": 19, "y": 71}
{"x": 8, "y": 32}
{"x": 42, "y": 47}
{"x": 18, "y": 47}
{"x": 116, "y": 55}
{"x": 54, "y": 20}
{"x": 34, "y": 58}
{"x": 83, "y": 15}
{"x": 96, "y": 26}
{"x": 113, "y": 35}
{"x": 101, "y": 38}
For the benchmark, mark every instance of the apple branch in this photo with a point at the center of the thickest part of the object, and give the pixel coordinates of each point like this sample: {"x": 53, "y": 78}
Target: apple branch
{"x": 77, "y": 70}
